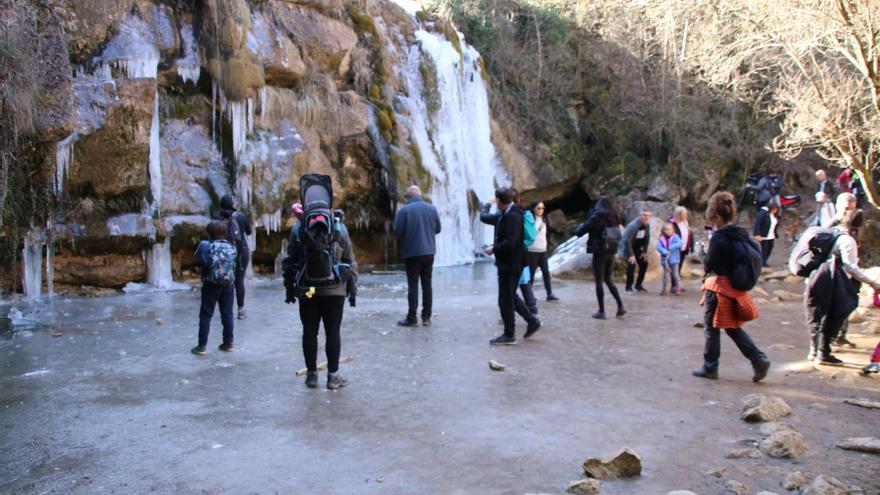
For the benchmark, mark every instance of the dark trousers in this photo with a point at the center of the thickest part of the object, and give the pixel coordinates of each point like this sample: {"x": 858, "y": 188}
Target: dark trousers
{"x": 766, "y": 250}
{"x": 244, "y": 258}
{"x": 603, "y": 268}
{"x": 510, "y": 302}
{"x": 824, "y": 328}
{"x": 712, "y": 351}
{"x": 529, "y": 297}
{"x": 537, "y": 260}
{"x": 311, "y": 313}
{"x": 419, "y": 268}
{"x": 642, "y": 264}
{"x": 212, "y": 295}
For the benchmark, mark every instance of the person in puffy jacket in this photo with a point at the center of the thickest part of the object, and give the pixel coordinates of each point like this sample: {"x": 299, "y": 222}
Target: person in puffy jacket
{"x": 669, "y": 247}
{"x": 601, "y": 217}
{"x": 725, "y": 307}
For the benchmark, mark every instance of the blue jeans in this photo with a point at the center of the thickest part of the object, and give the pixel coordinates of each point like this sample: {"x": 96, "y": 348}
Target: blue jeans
{"x": 212, "y": 295}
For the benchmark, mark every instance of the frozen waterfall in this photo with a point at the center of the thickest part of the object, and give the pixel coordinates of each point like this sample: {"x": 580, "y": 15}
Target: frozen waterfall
{"x": 32, "y": 264}
{"x": 454, "y": 141}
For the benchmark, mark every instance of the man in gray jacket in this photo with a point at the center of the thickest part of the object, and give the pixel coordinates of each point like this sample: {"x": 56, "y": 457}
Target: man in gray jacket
{"x": 416, "y": 225}
{"x": 634, "y": 249}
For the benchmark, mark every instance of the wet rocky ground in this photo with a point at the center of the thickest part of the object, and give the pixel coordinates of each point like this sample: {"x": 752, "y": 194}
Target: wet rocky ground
{"x": 104, "y": 397}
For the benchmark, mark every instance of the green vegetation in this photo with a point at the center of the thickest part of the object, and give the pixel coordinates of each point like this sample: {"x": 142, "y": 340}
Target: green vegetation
{"x": 430, "y": 84}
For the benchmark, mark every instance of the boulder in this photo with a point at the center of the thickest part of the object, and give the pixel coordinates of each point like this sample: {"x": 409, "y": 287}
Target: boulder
{"x": 772, "y": 427}
{"x": 281, "y": 59}
{"x": 733, "y": 487}
{"x": 758, "y": 408}
{"x": 496, "y": 366}
{"x": 744, "y": 454}
{"x": 584, "y": 487}
{"x": 324, "y": 41}
{"x": 869, "y": 445}
{"x": 788, "y": 296}
{"x": 623, "y": 464}
{"x": 784, "y": 443}
{"x": 823, "y": 485}
{"x": 777, "y": 275}
{"x": 760, "y": 291}
{"x": 794, "y": 480}
{"x": 114, "y": 160}
{"x": 662, "y": 191}
{"x": 717, "y": 472}
{"x": 193, "y": 174}
{"x": 868, "y": 404}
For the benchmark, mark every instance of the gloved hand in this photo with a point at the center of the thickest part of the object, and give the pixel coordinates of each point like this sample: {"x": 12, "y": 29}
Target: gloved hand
{"x": 351, "y": 301}
{"x": 290, "y": 300}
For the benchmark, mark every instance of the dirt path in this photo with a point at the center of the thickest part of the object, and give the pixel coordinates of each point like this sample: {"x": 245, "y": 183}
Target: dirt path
{"x": 118, "y": 405}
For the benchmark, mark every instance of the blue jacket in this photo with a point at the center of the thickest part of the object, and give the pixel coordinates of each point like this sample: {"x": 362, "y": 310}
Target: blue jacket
{"x": 669, "y": 249}
{"x": 416, "y": 225}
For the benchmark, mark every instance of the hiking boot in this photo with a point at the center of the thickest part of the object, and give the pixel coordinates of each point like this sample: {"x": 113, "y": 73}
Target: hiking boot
{"x": 551, "y": 297}
{"x": 843, "y": 341}
{"x": 663, "y": 292}
{"x": 630, "y": 291}
{"x": 503, "y": 340}
{"x": 811, "y": 354}
{"x": 641, "y": 289}
{"x": 198, "y": 350}
{"x": 828, "y": 360}
{"x": 335, "y": 381}
{"x": 761, "y": 370}
{"x": 312, "y": 379}
{"x": 533, "y": 327}
{"x": 226, "y": 347}
{"x": 620, "y": 313}
{"x": 871, "y": 368}
{"x": 406, "y": 322}
{"x": 426, "y": 322}
{"x": 242, "y": 313}
{"x": 599, "y": 315}
{"x": 702, "y": 372}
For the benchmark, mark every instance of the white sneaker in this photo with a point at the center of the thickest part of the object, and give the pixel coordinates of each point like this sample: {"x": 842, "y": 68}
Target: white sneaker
{"x": 242, "y": 313}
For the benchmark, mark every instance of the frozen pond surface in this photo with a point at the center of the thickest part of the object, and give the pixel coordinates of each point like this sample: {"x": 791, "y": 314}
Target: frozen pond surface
{"x": 117, "y": 404}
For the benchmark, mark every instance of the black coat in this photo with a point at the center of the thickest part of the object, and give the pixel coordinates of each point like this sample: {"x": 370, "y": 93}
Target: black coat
{"x": 762, "y": 224}
{"x": 719, "y": 257}
{"x": 509, "y": 250}
{"x": 595, "y": 224}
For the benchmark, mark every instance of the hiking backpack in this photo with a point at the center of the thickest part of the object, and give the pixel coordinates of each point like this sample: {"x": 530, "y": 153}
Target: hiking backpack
{"x": 530, "y": 230}
{"x": 611, "y": 239}
{"x": 222, "y": 263}
{"x": 317, "y": 234}
{"x": 812, "y": 249}
{"x": 747, "y": 262}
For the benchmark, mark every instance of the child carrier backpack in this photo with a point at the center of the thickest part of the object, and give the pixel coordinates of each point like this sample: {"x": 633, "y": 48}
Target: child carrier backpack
{"x": 611, "y": 239}
{"x": 812, "y": 249}
{"x": 747, "y": 262}
{"x": 317, "y": 235}
{"x": 222, "y": 263}
{"x": 530, "y": 230}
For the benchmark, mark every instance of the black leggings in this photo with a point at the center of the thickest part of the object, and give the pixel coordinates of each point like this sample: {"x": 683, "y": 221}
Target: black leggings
{"x": 603, "y": 268}
{"x": 311, "y": 312}
{"x": 240, "y": 271}
{"x": 540, "y": 260}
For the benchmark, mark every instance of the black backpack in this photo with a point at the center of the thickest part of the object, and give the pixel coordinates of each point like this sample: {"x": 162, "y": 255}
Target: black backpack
{"x": 746, "y": 263}
{"x": 812, "y": 249}
{"x": 234, "y": 234}
{"x": 317, "y": 235}
{"x": 611, "y": 239}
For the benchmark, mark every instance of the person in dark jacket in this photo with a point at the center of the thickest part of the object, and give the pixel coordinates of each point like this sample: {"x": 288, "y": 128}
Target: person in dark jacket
{"x": 214, "y": 294}
{"x": 510, "y": 253}
{"x": 718, "y": 263}
{"x": 602, "y": 216}
{"x": 634, "y": 249}
{"x": 766, "y": 229}
{"x": 228, "y": 213}
{"x": 324, "y": 304}
{"x": 825, "y": 184}
{"x": 416, "y": 225}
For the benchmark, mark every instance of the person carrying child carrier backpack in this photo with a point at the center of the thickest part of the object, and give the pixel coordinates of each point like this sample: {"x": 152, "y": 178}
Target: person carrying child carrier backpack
{"x": 829, "y": 260}
{"x": 603, "y": 227}
{"x": 320, "y": 271}
{"x": 733, "y": 263}
{"x": 238, "y": 227}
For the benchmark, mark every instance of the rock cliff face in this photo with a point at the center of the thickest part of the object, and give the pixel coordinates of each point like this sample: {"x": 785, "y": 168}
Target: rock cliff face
{"x": 151, "y": 111}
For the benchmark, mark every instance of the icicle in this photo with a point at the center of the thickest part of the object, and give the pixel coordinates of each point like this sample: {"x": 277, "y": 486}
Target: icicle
{"x": 213, "y": 108}
{"x": 50, "y": 258}
{"x": 155, "y": 153}
{"x": 32, "y": 264}
{"x": 63, "y": 155}
{"x": 250, "y": 115}
{"x": 238, "y": 117}
{"x": 133, "y": 49}
{"x": 189, "y": 67}
{"x": 264, "y": 104}
{"x": 280, "y": 258}
{"x": 159, "y": 265}
{"x": 271, "y": 222}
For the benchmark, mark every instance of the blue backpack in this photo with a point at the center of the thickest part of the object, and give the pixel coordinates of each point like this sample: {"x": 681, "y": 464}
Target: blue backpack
{"x": 222, "y": 263}
{"x": 746, "y": 262}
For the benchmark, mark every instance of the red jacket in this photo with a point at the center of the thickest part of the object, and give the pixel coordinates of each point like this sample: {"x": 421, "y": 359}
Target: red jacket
{"x": 735, "y": 307}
